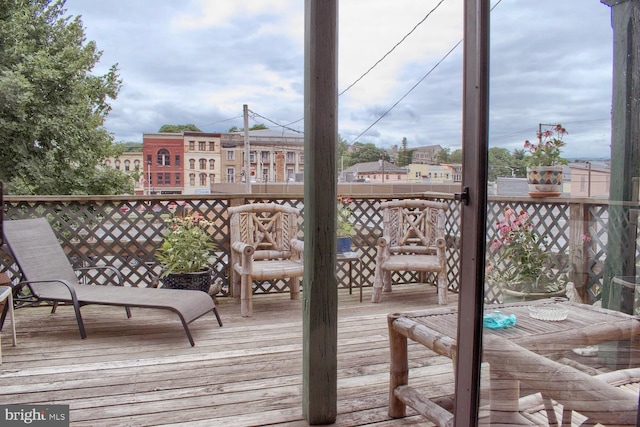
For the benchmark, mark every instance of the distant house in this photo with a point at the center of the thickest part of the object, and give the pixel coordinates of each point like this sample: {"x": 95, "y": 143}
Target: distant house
{"x": 590, "y": 179}
{"x": 425, "y": 173}
{"x": 427, "y": 155}
{"x": 378, "y": 171}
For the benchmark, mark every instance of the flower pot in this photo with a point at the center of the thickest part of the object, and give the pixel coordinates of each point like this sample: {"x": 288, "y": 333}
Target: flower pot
{"x": 544, "y": 181}
{"x": 343, "y": 244}
{"x": 198, "y": 281}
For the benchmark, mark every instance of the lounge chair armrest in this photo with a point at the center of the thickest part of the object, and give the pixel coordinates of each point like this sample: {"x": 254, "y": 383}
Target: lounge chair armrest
{"x": 69, "y": 286}
{"x": 115, "y": 271}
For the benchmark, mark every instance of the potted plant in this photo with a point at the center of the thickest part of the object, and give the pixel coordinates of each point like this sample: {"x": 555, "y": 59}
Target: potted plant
{"x": 520, "y": 262}
{"x": 345, "y": 227}
{"x": 185, "y": 253}
{"x": 544, "y": 163}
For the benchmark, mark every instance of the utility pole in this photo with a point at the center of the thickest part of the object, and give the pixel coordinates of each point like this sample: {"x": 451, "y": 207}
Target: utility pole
{"x": 247, "y": 152}
{"x": 589, "y": 180}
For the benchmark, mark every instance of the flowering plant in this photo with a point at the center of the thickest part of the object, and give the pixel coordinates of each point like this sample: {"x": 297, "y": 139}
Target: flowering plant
{"x": 547, "y": 151}
{"x": 521, "y": 260}
{"x": 344, "y": 215}
{"x": 187, "y": 246}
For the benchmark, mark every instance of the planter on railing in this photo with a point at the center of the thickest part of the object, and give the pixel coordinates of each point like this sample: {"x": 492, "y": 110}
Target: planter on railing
{"x": 544, "y": 181}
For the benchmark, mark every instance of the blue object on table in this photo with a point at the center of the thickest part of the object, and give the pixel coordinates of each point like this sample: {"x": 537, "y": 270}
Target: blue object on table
{"x": 496, "y": 320}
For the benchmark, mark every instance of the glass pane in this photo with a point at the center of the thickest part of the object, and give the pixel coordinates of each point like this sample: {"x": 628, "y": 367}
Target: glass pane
{"x": 559, "y": 342}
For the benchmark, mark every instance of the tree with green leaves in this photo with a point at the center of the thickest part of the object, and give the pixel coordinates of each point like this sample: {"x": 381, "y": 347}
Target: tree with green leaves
{"x": 131, "y": 147}
{"x": 342, "y": 156}
{"x": 364, "y": 153}
{"x": 259, "y": 126}
{"x": 52, "y": 109}
{"x": 178, "y": 128}
{"x": 501, "y": 162}
{"x": 447, "y": 156}
{"x": 405, "y": 156}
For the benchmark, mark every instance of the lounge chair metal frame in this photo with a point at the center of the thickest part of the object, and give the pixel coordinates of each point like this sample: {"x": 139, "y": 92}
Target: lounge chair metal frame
{"x": 49, "y": 276}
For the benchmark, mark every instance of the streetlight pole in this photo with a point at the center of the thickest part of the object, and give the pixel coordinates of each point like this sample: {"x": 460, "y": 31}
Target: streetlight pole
{"x": 589, "y": 180}
{"x": 247, "y": 162}
{"x": 540, "y": 130}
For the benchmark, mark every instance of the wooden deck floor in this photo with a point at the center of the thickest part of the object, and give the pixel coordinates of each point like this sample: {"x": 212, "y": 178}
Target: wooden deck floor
{"x": 142, "y": 371}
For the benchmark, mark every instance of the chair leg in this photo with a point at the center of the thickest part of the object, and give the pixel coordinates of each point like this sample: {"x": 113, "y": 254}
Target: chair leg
{"x": 236, "y": 285}
{"x": 9, "y": 304}
{"x": 294, "y": 287}
{"x": 215, "y": 311}
{"x": 442, "y": 288}
{"x": 376, "y": 295}
{"x": 246, "y": 303}
{"x": 3, "y": 316}
{"x": 386, "y": 280}
{"x": 8, "y": 309}
{"x": 76, "y": 308}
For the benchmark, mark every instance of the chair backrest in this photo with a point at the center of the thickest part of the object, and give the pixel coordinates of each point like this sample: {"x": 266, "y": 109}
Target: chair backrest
{"x": 413, "y": 225}
{"x": 268, "y": 227}
{"x": 37, "y": 251}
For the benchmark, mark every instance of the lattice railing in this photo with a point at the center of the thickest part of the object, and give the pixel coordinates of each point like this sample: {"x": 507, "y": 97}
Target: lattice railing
{"x": 125, "y": 231}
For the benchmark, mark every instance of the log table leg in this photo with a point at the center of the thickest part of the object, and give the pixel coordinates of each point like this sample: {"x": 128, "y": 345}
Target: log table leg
{"x": 399, "y": 368}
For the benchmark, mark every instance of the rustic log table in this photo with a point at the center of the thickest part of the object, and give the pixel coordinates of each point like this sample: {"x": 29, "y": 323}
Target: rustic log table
{"x": 518, "y": 353}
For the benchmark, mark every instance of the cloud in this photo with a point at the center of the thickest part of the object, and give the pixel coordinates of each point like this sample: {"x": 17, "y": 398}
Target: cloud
{"x": 199, "y": 61}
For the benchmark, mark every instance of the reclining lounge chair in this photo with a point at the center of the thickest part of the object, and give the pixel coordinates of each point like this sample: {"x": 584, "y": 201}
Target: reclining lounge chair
{"x": 49, "y": 275}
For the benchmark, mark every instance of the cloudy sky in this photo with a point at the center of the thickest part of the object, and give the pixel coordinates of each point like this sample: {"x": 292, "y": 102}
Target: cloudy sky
{"x": 199, "y": 61}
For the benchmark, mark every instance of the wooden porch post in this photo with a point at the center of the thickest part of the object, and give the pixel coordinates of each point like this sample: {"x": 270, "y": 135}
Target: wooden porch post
{"x": 320, "y": 290}
{"x": 625, "y": 138}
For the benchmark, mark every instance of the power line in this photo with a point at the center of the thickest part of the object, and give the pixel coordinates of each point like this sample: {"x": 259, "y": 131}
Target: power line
{"x": 408, "y": 92}
{"x": 392, "y": 49}
{"x": 221, "y": 121}
{"x": 383, "y": 56}
{"x": 276, "y": 123}
{"x": 416, "y": 85}
{"x": 528, "y": 131}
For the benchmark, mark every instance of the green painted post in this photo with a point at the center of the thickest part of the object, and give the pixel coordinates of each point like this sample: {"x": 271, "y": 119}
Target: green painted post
{"x": 625, "y": 139}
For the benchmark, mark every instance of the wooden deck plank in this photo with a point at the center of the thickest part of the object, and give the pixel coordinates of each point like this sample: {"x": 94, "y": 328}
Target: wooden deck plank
{"x": 142, "y": 371}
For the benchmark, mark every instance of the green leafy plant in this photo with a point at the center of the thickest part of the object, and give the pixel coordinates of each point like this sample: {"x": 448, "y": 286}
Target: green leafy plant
{"x": 187, "y": 247}
{"x": 345, "y": 217}
{"x": 520, "y": 258}
{"x": 548, "y": 151}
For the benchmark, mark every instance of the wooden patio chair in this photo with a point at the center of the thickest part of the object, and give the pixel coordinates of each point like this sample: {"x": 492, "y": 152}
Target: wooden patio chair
{"x": 264, "y": 246}
{"x": 412, "y": 240}
{"x": 49, "y": 276}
